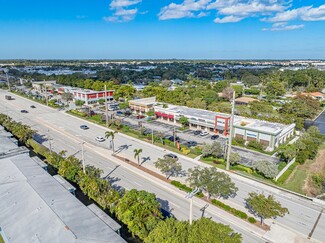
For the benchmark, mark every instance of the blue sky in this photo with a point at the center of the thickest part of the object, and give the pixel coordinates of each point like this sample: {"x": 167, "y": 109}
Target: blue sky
{"x": 140, "y": 29}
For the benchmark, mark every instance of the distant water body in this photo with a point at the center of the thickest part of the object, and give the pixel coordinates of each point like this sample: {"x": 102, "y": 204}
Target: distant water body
{"x": 320, "y": 123}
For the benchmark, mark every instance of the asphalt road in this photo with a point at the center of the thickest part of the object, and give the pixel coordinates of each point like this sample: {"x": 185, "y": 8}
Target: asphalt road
{"x": 66, "y": 134}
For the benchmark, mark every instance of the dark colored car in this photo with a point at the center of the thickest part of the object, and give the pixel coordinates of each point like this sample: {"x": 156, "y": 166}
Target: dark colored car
{"x": 173, "y": 156}
{"x": 140, "y": 117}
{"x": 24, "y": 111}
{"x": 190, "y": 144}
{"x": 32, "y": 106}
{"x": 119, "y": 112}
{"x": 214, "y": 137}
{"x": 197, "y": 132}
{"x": 84, "y": 127}
{"x": 171, "y": 138}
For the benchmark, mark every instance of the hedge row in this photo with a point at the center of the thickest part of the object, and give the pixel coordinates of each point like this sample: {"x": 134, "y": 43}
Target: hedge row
{"x": 229, "y": 209}
{"x": 185, "y": 188}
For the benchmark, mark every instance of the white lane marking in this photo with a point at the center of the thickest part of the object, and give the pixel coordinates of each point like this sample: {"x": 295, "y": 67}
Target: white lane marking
{"x": 175, "y": 205}
{"x": 137, "y": 184}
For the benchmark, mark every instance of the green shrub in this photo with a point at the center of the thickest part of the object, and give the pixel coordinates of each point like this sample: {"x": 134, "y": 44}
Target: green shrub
{"x": 255, "y": 145}
{"x": 229, "y": 209}
{"x": 185, "y": 188}
{"x": 252, "y": 220}
{"x": 242, "y": 168}
{"x": 241, "y": 214}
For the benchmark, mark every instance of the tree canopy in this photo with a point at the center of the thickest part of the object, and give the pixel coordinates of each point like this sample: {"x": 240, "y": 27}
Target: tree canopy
{"x": 265, "y": 207}
{"x": 211, "y": 181}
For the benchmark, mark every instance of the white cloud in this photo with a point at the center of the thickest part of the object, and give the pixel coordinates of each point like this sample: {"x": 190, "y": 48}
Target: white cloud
{"x": 282, "y": 26}
{"x": 185, "y": 9}
{"x": 231, "y": 11}
{"x": 307, "y": 13}
{"x": 228, "y": 19}
{"x": 122, "y": 12}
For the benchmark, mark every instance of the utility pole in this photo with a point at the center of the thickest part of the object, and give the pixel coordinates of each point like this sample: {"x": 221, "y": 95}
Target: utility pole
{"x": 106, "y": 108}
{"x": 190, "y": 196}
{"x": 174, "y": 134}
{"x": 152, "y": 135}
{"x": 83, "y": 157}
{"x": 8, "y": 80}
{"x": 230, "y": 130}
{"x": 49, "y": 138}
{"x": 46, "y": 94}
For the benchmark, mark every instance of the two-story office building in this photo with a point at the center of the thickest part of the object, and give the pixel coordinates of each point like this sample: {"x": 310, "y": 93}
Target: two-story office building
{"x": 267, "y": 133}
{"x": 90, "y": 96}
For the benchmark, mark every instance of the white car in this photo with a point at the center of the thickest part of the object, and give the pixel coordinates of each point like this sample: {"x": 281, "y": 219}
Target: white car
{"x": 204, "y": 133}
{"x": 100, "y": 139}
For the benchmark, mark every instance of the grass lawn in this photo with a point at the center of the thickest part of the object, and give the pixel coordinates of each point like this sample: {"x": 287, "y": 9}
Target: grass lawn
{"x": 297, "y": 180}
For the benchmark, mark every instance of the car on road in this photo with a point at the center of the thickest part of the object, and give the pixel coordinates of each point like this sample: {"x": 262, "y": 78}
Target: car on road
{"x": 24, "y": 111}
{"x": 190, "y": 144}
{"x": 100, "y": 139}
{"x": 214, "y": 137}
{"x": 32, "y": 106}
{"x": 84, "y": 127}
{"x": 197, "y": 132}
{"x": 204, "y": 133}
{"x": 173, "y": 156}
{"x": 171, "y": 138}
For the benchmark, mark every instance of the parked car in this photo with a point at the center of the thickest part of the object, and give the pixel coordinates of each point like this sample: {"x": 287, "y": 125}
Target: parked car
{"x": 171, "y": 138}
{"x": 139, "y": 117}
{"x": 32, "y": 106}
{"x": 100, "y": 139}
{"x": 173, "y": 156}
{"x": 204, "y": 133}
{"x": 24, "y": 111}
{"x": 84, "y": 127}
{"x": 214, "y": 137}
{"x": 197, "y": 132}
{"x": 119, "y": 113}
{"x": 190, "y": 144}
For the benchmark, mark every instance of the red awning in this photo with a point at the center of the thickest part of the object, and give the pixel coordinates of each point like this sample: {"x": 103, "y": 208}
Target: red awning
{"x": 158, "y": 113}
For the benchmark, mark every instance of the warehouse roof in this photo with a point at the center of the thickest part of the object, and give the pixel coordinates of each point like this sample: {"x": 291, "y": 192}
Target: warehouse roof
{"x": 34, "y": 207}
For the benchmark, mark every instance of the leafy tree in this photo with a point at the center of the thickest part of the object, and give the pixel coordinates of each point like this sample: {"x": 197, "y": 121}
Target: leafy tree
{"x": 66, "y": 96}
{"x": 213, "y": 182}
{"x": 227, "y": 93}
{"x": 111, "y": 134}
{"x": 101, "y": 101}
{"x": 79, "y": 102}
{"x": 166, "y": 83}
{"x": 123, "y": 105}
{"x": 184, "y": 121}
{"x": 250, "y": 79}
{"x": 202, "y": 230}
{"x": 287, "y": 152}
{"x": 169, "y": 230}
{"x": 69, "y": 168}
{"x": 274, "y": 89}
{"x": 197, "y": 103}
{"x": 137, "y": 153}
{"x": 234, "y": 158}
{"x": 168, "y": 166}
{"x": 266, "y": 168}
{"x": 140, "y": 211}
{"x": 238, "y": 89}
{"x": 150, "y": 113}
{"x": 124, "y": 91}
{"x": 210, "y": 96}
{"x": 221, "y": 85}
{"x": 224, "y": 107}
{"x": 206, "y": 230}
{"x": 258, "y": 107}
{"x": 215, "y": 149}
{"x": 265, "y": 207}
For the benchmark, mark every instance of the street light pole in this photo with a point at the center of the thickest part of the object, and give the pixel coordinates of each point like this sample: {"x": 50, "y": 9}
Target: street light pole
{"x": 83, "y": 157}
{"x": 230, "y": 130}
{"x": 48, "y": 137}
{"x": 8, "y": 80}
{"x": 106, "y": 108}
{"x": 190, "y": 196}
{"x": 152, "y": 135}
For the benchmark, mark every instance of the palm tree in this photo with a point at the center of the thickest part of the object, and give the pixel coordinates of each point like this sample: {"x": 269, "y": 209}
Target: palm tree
{"x": 111, "y": 134}
{"x": 137, "y": 153}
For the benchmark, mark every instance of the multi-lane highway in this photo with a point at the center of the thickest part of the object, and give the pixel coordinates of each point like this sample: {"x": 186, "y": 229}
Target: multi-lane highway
{"x": 65, "y": 134}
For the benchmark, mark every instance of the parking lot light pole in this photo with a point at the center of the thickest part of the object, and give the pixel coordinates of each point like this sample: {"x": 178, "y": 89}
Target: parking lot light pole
{"x": 190, "y": 196}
